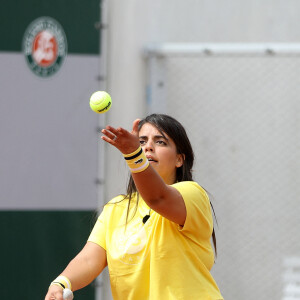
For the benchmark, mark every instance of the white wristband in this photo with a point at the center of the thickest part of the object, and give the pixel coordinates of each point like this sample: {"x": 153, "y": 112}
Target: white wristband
{"x": 63, "y": 281}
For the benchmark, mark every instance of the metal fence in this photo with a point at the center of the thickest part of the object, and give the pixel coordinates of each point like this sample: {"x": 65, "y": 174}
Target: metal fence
{"x": 240, "y": 105}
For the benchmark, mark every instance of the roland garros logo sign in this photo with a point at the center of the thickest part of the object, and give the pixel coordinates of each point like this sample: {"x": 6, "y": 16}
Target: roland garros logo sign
{"x": 44, "y": 46}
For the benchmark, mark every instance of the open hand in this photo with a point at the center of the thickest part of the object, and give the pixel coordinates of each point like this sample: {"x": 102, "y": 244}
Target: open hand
{"x": 127, "y": 142}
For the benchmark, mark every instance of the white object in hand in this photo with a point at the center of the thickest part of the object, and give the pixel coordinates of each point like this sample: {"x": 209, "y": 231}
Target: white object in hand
{"x": 68, "y": 295}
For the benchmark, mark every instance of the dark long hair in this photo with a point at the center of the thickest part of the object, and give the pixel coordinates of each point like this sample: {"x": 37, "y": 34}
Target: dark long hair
{"x": 170, "y": 126}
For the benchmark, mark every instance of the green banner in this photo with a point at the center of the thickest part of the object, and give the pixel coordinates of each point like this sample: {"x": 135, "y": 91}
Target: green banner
{"x": 79, "y": 19}
{"x": 35, "y": 248}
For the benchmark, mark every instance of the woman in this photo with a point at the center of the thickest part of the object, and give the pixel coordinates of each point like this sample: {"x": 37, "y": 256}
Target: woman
{"x": 156, "y": 239}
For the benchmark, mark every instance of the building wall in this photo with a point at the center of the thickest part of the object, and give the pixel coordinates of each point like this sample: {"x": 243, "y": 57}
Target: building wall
{"x": 134, "y": 25}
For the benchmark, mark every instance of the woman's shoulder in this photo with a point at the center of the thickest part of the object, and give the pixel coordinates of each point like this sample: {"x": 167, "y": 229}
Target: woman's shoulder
{"x": 191, "y": 190}
{"x": 198, "y": 208}
{"x": 190, "y": 185}
{"x": 117, "y": 206}
{"x": 121, "y": 201}
{"x": 116, "y": 200}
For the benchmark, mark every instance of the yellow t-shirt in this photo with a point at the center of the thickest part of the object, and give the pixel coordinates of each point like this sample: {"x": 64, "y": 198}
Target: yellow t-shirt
{"x": 159, "y": 260}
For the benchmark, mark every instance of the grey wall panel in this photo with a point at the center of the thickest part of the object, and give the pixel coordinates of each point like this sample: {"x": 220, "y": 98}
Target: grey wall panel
{"x": 49, "y": 143}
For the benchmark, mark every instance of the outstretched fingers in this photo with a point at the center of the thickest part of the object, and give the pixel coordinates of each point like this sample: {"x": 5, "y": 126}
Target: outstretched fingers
{"x": 108, "y": 134}
{"x": 111, "y": 134}
{"x": 122, "y": 139}
{"x": 135, "y": 127}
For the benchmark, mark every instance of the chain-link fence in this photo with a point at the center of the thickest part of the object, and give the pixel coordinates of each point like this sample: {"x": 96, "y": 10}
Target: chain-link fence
{"x": 241, "y": 108}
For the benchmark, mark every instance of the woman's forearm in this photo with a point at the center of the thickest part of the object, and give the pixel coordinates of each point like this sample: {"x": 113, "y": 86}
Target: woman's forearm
{"x": 86, "y": 266}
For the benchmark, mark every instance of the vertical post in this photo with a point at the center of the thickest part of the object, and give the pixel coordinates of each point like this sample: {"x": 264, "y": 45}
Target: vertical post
{"x": 156, "y": 84}
{"x": 102, "y": 280}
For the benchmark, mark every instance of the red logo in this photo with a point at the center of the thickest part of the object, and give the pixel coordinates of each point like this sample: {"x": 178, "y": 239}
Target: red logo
{"x": 44, "y": 48}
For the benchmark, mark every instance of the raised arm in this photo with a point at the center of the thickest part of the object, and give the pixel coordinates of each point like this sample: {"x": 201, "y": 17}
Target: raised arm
{"x": 82, "y": 270}
{"x": 153, "y": 183}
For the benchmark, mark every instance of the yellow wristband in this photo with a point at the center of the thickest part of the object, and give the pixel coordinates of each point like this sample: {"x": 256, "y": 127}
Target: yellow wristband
{"x": 62, "y": 281}
{"x": 129, "y": 156}
{"x": 137, "y": 160}
{"x": 58, "y": 284}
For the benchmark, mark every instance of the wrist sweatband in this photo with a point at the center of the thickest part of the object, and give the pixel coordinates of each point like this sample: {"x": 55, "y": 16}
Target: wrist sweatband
{"x": 63, "y": 282}
{"x": 137, "y": 160}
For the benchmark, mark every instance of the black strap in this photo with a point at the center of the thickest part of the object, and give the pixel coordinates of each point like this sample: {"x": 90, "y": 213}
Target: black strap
{"x": 59, "y": 284}
{"x": 135, "y": 155}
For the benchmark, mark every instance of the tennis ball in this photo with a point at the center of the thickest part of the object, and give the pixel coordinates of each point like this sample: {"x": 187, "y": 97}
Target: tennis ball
{"x": 100, "y": 102}
{"x": 67, "y": 294}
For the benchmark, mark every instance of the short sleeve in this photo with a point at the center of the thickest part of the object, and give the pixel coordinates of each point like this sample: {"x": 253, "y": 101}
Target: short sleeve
{"x": 98, "y": 234}
{"x": 199, "y": 217}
